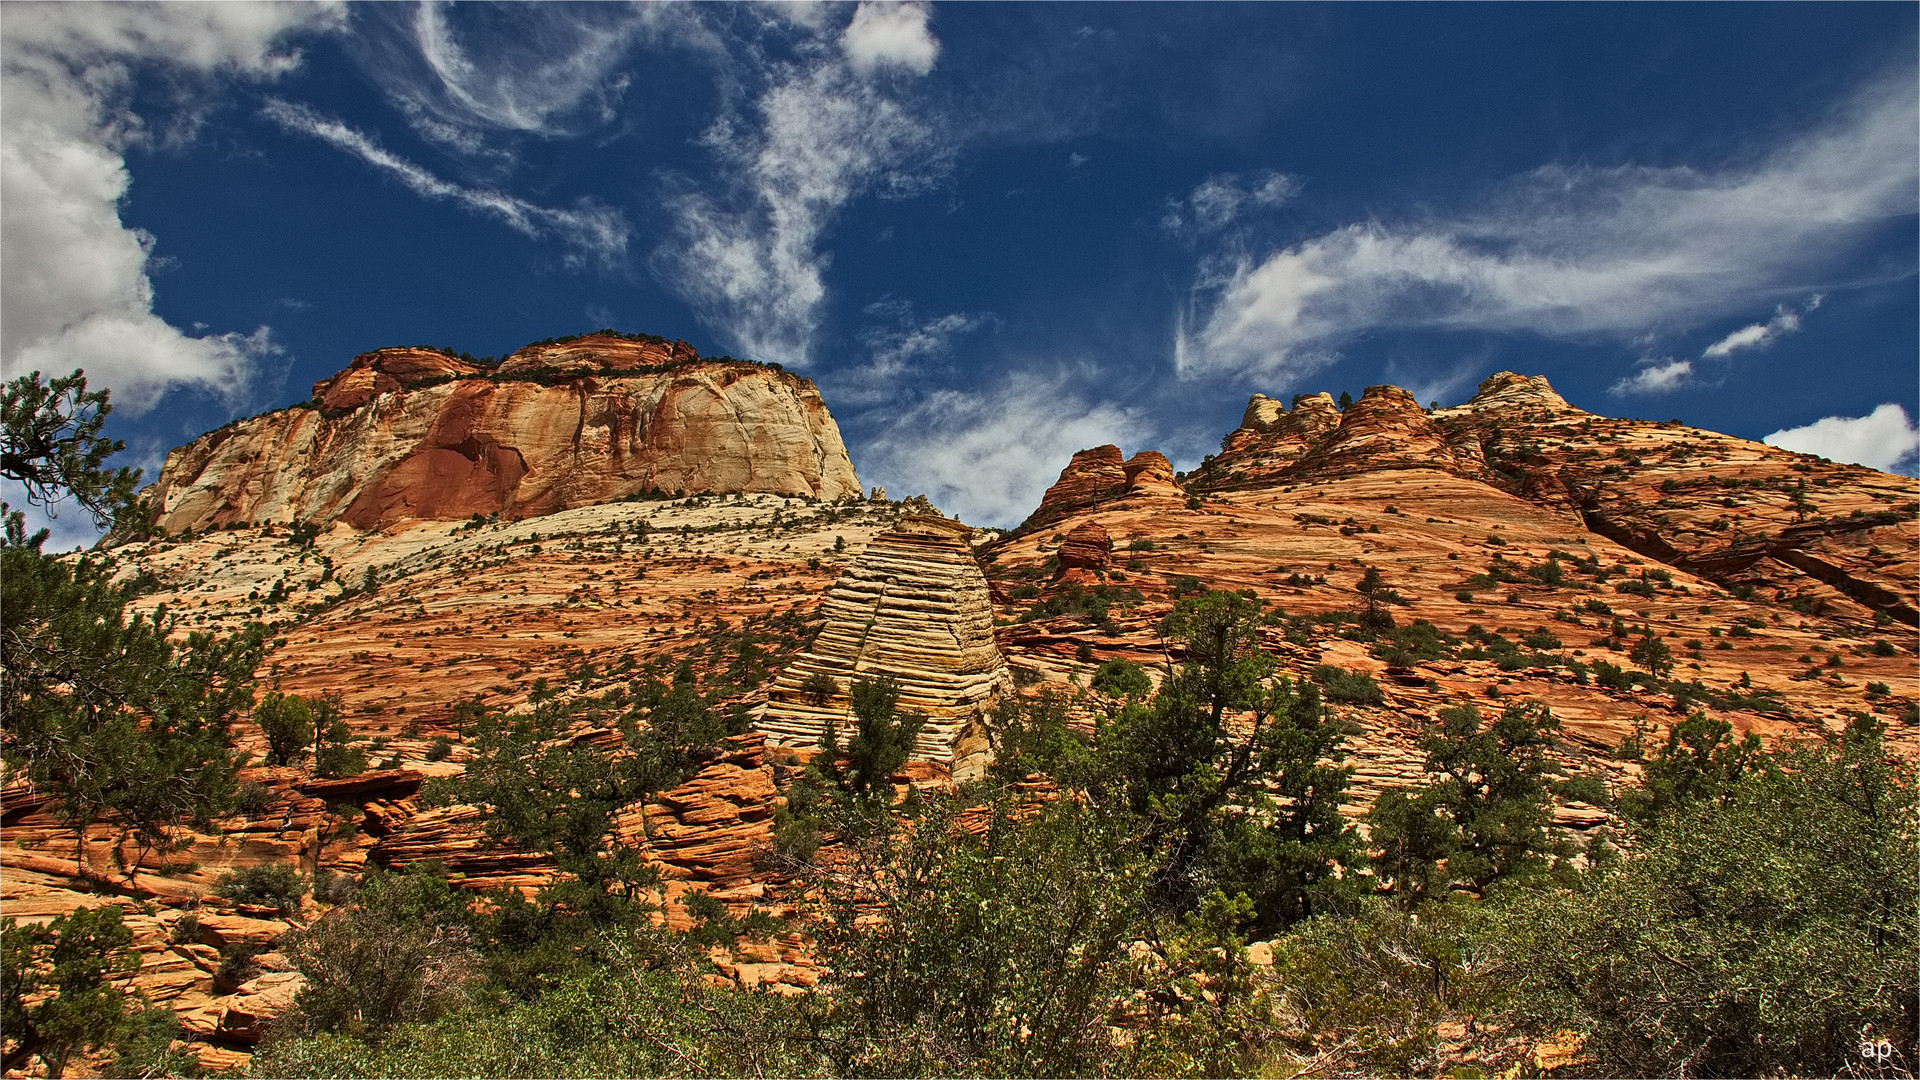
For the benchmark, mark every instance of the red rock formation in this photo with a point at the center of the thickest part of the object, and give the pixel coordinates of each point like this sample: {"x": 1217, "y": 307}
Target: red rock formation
{"x": 384, "y": 371}
{"x": 1086, "y": 551}
{"x": 1092, "y": 477}
{"x": 596, "y": 354}
{"x": 1385, "y": 429}
{"x": 1513, "y": 392}
{"x": 1268, "y": 442}
{"x": 1150, "y": 473}
{"x": 412, "y": 433}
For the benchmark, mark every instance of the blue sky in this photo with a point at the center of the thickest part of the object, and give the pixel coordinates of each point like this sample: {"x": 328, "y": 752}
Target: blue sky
{"x": 994, "y": 234}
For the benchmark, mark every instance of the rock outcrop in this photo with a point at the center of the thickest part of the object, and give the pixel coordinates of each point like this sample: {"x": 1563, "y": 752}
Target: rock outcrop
{"x": 1508, "y": 390}
{"x": 1101, "y": 474}
{"x": 1150, "y": 473}
{"x": 1385, "y": 429}
{"x": 1085, "y": 552}
{"x": 413, "y": 433}
{"x": 913, "y": 605}
{"x": 1090, "y": 478}
{"x": 1269, "y": 440}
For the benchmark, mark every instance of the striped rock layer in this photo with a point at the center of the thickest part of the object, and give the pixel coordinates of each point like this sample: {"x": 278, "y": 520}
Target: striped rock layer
{"x": 915, "y": 606}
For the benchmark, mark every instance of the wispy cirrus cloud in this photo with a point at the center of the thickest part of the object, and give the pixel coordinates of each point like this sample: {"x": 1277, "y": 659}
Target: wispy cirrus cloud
{"x": 833, "y": 125}
{"x": 1656, "y": 375}
{"x": 900, "y": 346}
{"x": 474, "y": 80}
{"x": 1218, "y": 201}
{"x": 1570, "y": 251}
{"x": 1664, "y": 375}
{"x": 588, "y": 229}
{"x": 77, "y": 290}
{"x": 1884, "y": 439}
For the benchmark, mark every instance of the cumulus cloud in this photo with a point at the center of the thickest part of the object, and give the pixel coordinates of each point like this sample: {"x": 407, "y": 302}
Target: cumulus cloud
{"x": 1884, "y": 439}
{"x": 890, "y": 34}
{"x": 1656, "y": 376}
{"x": 588, "y": 228}
{"x": 1218, "y": 201}
{"x": 987, "y": 456}
{"x": 1571, "y": 251}
{"x": 77, "y": 290}
{"x": 821, "y": 133}
{"x": 1759, "y": 335}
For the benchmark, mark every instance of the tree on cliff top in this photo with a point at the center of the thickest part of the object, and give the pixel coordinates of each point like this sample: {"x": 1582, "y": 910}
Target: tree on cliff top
{"x": 109, "y": 714}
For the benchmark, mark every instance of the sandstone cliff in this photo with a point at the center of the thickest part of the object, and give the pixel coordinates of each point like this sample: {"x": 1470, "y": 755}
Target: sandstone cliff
{"x": 413, "y": 433}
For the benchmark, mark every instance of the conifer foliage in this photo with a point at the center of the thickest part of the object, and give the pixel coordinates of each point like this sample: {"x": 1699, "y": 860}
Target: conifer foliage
{"x": 105, "y": 711}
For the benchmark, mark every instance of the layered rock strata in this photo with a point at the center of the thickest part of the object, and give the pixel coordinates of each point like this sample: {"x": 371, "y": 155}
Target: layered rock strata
{"x": 416, "y": 434}
{"x": 915, "y": 606}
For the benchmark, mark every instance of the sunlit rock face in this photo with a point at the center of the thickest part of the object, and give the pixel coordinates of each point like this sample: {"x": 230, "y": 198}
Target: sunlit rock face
{"x": 913, "y": 605}
{"x": 416, "y": 434}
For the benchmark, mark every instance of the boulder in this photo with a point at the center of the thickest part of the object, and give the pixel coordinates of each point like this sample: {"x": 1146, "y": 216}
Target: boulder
{"x": 1087, "y": 549}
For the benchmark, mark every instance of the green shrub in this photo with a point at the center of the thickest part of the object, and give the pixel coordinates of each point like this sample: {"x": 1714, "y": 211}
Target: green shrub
{"x": 1121, "y": 677}
{"x": 271, "y": 885}
{"x": 1347, "y": 687}
{"x": 1724, "y": 943}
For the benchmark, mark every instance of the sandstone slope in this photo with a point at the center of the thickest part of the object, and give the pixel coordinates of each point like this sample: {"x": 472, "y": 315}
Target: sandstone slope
{"x": 1782, "y": 584}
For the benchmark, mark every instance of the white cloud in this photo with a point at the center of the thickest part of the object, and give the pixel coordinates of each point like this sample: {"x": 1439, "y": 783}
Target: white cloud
{"x": 77, "y": 291}
{"x": 1656, "y": 376}
{"x": 1759, "y": 335}
{"x": 897, "y": 347}
{"x": 987, "y": 457}
{"x": 1218, "y": 201}
{"x": 1884, "y": 439}
{"x": 890, "y": 34}
{"x": 820, "y": 135}
{"x": 588, "y": 228}
{"x": 1572, "y": 251}
{"x": 468, "y": 77}
{"x": 898, "y": 344}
